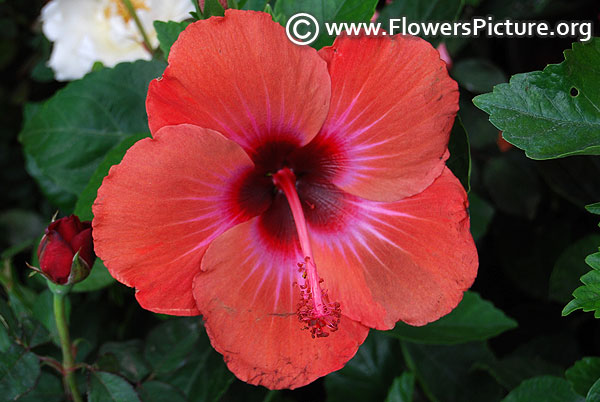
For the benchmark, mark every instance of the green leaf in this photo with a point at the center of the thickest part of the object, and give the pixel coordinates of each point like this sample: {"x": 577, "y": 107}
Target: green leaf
{"x": 544, "y": 388}
{"x": 70, "y": 134}
{"x": 202, "y": 375}
{"x": 593, "y": 208}
{"x": 551, "y": 113}
{"x": 213, "y": 8}
{"x": 107, "y": 387}
{"x": 594, "y": 393}
{"x": 587, "y": 297}
{"x": 477, "y": 75}
{"x": 168, "y": 32}
{"x": 369, "y": 374}
{"x": 19, "y": 372}
{"x": 448, "y": 373}
{"x": 125, "y": 358}
{"x": 55, "y": 194}
{"x": 156, "y": 391}
{"x": 326, "y": 11}
{"x": 472, "y": 320}
{"x": 460, "y": 154}
{"x": 402, "y": 389}
{"x": 481, "y": 213}
{"x": 99, "y": 278}
{"x": 170, "y": 343}
{"x": 583, "y": 374}
{"x": 47, "y": 389}
{"x": 83, "y": 208}
{"x": 570, "y": 266}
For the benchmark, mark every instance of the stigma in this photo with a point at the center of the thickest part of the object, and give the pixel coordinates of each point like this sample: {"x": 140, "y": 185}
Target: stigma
{"x": 315, "y": 311}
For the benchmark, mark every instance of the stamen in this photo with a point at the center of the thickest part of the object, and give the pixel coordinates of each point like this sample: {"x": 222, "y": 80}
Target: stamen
{"x": 314, "y": 310}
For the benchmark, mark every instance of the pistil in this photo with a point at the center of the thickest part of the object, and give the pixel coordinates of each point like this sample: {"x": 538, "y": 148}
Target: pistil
{"x": 314, "y": 310}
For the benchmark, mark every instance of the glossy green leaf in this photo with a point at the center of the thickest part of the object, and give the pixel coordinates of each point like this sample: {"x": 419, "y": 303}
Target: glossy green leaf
{"x": 544, "y": 388}
{"x": 477, "y": 75}
{"x": 19, "y": 372}
{"x": 369, "y": 374}
{"x": 473, "y": 319}
{"x": 168, "y": 32}
{"x": 402, "y": 389}
{"x": 326, "y": 11}
{"x": 587, "y": 297}
{"x": 449, "y": 374}
{"x": 99, "y": 278}
{"x": 551, "y": 113}
{"x": 481, "y": 213}
{"x": 583, "y": 374}
{"x": 570, "y": 266}
{"x": 125, "y": 358}
{"x": 107, "y": 387}
{"x": 83, "y": 208}
{"x": 70, "y": 134}
{"x": 460, "y": 154}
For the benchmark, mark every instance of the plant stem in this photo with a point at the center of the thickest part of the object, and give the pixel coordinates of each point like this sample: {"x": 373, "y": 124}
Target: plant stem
{"x": 131, "y": 9}
{"x": 65, "y": 344}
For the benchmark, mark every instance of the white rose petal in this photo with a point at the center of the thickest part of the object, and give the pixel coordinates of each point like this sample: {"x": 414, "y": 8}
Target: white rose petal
{"x": 87, "y": 31}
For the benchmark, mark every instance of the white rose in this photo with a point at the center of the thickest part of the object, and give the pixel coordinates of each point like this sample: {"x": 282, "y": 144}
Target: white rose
{"x": 87, "y": 31}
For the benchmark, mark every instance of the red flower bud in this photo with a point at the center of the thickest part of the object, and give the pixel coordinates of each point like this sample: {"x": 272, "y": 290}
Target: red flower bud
{"x": 66, "y": 251}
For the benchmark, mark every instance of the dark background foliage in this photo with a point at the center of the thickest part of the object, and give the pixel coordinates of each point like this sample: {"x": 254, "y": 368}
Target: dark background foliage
{"x": 528, "y": 218}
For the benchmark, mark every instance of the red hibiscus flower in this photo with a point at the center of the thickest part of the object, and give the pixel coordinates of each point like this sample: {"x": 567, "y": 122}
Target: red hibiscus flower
{"x": 288, "y": 189}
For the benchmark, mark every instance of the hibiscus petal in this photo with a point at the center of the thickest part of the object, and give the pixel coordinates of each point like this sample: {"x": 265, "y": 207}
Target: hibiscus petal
{"x": 392, "y": 108}
{"x": 159, "y": 209}
{"x": 247, "y": 298}
{"x": 241, "y": 76}
{"x": 409, "y": 260}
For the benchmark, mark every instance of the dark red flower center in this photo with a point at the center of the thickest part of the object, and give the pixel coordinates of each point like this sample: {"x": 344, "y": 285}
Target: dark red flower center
{"x": 325, "y": 207}
{"x": 291, "y": 192}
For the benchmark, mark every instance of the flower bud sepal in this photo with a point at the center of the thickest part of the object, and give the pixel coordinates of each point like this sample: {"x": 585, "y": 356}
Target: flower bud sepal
{"x": 58, "y": 289}
{"x": 79, "y": 271}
